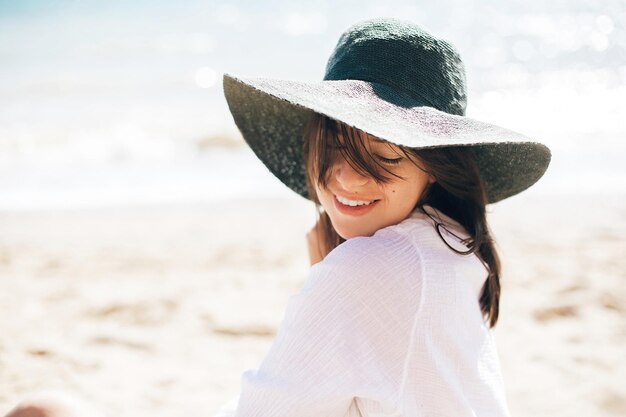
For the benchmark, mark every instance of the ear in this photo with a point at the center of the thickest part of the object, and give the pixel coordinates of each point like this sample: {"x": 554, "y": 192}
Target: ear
{"x": 431, "y": 179}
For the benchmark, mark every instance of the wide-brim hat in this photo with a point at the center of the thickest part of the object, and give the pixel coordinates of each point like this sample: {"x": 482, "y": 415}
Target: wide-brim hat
{"x": 393, "y": 80}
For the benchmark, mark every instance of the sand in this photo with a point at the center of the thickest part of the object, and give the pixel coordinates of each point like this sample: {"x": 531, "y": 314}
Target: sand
{"x": 157, "y": 310}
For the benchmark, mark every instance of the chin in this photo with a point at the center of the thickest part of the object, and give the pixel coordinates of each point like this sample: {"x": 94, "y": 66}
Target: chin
{"x": 348, "y": 234}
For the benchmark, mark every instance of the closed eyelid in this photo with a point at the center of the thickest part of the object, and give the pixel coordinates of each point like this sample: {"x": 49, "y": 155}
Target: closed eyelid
{"x": 389, "y": 153}
{"x": 395, "y": 158}
{"x": 391, "y": 161}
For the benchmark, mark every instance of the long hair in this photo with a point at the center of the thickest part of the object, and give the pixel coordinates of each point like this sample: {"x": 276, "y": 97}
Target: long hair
{"x": 458, "y": 192}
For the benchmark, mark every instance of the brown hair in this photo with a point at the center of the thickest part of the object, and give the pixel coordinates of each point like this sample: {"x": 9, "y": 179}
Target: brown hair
{"x": 458, "y": 192}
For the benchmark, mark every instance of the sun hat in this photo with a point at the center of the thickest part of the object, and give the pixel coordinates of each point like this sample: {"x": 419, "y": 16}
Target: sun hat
{"x": 393, "y": 80}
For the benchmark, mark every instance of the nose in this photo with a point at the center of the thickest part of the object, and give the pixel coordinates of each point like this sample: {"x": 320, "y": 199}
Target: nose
{"x": 347, "y": 176}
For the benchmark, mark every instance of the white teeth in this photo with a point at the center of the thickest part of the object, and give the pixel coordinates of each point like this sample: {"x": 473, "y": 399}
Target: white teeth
{"x": 353, "y": 203}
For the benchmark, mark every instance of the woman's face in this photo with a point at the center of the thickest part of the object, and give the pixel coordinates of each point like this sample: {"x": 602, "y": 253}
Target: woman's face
{"x": 359, "y": 206}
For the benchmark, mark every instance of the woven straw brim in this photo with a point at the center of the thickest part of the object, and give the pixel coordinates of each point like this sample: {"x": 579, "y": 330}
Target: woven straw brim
{"x": 271, "y": 115}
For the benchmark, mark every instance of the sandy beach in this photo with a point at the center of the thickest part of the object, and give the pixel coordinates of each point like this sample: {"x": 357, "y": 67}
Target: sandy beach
{"x": 157, "y": 310}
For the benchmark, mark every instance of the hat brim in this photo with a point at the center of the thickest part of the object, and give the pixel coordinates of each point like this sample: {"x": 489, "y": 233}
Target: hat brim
{"x": 271, "y": 115}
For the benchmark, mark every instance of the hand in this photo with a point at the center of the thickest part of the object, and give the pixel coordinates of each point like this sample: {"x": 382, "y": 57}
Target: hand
{"x": 313, "y": 242}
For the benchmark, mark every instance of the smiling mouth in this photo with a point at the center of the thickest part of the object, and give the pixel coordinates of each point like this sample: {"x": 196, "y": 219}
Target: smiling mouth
{"x": 353, "y": 203}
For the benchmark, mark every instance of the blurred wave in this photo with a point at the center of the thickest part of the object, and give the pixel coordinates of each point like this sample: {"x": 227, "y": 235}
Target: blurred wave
{"x": 123, "y": 97}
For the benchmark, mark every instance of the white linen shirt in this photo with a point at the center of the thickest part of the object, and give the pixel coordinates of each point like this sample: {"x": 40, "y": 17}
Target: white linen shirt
{"x": 386, "y": 325}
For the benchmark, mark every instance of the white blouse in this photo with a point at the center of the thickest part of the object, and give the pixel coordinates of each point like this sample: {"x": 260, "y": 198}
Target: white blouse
{"x": 387, "y": 325}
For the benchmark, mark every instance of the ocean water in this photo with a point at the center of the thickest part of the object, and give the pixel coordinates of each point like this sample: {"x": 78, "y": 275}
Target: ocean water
{"x": 112, "y": 103}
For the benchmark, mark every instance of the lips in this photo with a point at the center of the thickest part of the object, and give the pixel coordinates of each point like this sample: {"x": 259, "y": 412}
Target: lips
{"x": 354, "y": 210}
{"x": 353, "y": 201}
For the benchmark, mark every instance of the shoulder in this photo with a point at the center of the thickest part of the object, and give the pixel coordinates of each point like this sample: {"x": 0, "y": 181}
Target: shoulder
{"x": 387, "y": 259}
{"x": 386, "y": 247}
{"x": 365, "y": 280}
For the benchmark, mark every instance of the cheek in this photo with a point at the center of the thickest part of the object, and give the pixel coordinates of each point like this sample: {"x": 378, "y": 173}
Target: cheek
{"x": 402, "y": 192}
{"x": 403, "y": 197}
{"x": 325, "y": 198}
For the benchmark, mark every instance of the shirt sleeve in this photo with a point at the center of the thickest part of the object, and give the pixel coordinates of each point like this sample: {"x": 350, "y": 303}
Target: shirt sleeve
{"x": 346, "y": 334}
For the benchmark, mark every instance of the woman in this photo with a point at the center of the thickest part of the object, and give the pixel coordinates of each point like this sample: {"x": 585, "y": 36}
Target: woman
{"x": 397, "y": 313}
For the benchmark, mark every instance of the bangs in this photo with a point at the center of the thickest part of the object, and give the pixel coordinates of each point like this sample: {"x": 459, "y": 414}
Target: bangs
{"x": 327, "y": 138}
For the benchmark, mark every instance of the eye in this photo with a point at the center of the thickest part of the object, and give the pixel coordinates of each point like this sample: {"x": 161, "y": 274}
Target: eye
{"x": 389, "y": 161}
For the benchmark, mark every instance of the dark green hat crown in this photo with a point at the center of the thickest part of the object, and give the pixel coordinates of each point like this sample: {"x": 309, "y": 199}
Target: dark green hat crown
{"x": 426, "y": 69}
